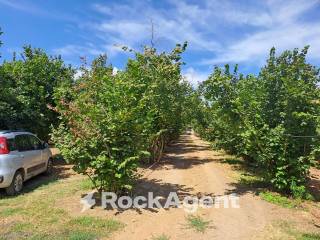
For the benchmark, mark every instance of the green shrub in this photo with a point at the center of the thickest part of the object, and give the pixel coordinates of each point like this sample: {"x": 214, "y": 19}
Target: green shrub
{"x": 109, "y": 122}
{"x": 271, "y": 119}
{"x": 27, "y": 88}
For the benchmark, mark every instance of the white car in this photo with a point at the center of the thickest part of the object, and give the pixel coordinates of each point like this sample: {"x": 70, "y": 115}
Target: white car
{"x": 22, "y": 156}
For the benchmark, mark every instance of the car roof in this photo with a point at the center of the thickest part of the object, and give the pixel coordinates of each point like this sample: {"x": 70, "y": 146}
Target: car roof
{"x": 13, "y": 133}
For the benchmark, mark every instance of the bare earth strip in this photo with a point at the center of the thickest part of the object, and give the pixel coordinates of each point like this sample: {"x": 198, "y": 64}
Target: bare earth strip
{"x": 190, "y": 167}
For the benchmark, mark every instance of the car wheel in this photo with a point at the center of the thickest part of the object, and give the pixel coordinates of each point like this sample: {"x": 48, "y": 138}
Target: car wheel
{"x": 49, "y": 170}
{"x": 17, "y": 184}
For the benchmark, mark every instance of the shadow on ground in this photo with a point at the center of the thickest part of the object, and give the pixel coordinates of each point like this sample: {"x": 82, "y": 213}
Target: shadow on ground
{"x": 175, "y": 155}
{"x": 159, "y": 189}
{"x": 250, "y": 180}
{"x": 181, "y": 162}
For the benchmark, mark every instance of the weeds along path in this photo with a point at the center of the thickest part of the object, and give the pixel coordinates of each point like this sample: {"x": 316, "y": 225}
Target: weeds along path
{"x": 191, "y": 168}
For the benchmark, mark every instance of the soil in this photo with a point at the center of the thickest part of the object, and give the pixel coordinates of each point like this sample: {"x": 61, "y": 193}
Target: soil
{"x": 191, "y": 168}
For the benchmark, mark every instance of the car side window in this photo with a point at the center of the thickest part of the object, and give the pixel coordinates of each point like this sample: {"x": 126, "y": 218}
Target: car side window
{"x": 35, "y": 142}
{"x": 23, "y": 143}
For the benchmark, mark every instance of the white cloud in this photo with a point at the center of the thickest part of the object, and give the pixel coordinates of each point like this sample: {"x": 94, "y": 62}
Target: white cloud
{"x": 130, "y": 25}
{"x": 286, "y": 12}
{"x": 285, "y": 32}
{"x": 124, "y": 31}
{"x": 78, "y": 74}
{"x": 235, "y": 14}
{"x": 77, "y": 50}
{"x": 139, "y": 33}
{"x": 194, "y": 77}
{"x": 256, "y": 46}
{"x": 115, "y": 70}
{"x": 230, "y": 31}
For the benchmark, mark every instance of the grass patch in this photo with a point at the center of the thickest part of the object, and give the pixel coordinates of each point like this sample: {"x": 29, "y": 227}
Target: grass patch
{"x": 96, "y": 223}
{"x": 50, "y": 222}
{"x": 251, "y": 180}
{"x": 72, "y": 235}
{"x": 161, "y": 237}
{"x": 309, "y": 236}
{"x": 21, "y": 227}
{"x": 282, "y": 201}
{"x": 86, "y": 184}
{"x": 80, "y": 235}
{"x": 232, "y": 161}
{"x": 7, "y": 212}
{"x": 197, "y": 223}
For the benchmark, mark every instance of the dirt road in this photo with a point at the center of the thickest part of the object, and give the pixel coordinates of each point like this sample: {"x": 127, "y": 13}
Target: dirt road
{"x": 190, "y": 167}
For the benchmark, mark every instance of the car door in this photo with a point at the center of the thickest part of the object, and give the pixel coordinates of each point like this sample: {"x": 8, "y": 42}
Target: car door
{"x": 23, "y": 147}
{"x": 37, "y": 153}
{"x": 31, "y": 157}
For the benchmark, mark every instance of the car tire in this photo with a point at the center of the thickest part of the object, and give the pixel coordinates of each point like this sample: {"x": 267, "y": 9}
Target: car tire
{"x": 49, "y": 170}
{"x": 17, "y": 184}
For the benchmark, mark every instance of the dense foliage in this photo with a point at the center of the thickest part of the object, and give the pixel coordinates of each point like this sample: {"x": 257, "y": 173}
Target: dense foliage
{"x": 270, "y": 120}
{"x": 106, "y": 123}
{"x": 110, "y": 121}
{"x": 27, "y": 88}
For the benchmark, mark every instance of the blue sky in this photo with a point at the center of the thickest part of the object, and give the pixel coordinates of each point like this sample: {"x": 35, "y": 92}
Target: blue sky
{"x": 218, "y": 32}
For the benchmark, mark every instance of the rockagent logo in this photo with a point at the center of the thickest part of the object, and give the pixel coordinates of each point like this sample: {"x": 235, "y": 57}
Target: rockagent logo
{"x": 190, "y": 204}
